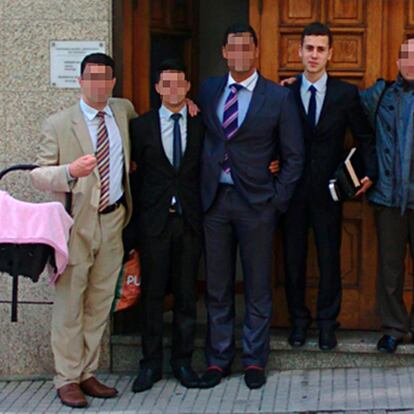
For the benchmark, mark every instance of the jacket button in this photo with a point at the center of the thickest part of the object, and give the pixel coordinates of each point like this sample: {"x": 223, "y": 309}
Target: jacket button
{"x": 391, "y": 107}
{"x": 387, "y": 173}
{"x": 388, "y": 128}
{"x": 387, "y": 151}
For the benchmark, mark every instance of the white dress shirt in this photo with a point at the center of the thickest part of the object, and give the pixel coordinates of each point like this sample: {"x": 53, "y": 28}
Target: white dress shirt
{"x": 305, "y": 93}
{"x": 116, "y": 155}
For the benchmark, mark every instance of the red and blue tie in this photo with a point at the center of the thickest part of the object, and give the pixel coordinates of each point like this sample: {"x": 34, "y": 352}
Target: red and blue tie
{"x": 102, "y": 156}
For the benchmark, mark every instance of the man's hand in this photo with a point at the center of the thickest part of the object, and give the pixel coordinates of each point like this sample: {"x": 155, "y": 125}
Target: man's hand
{"x": 288, "y": 81}
{"x": 366, "y": 184}
{"x": 83, "y": 166}
{"x": 274, "y": 167}
{"x": 133, "y": 167}
{"x": 193, "y": 109}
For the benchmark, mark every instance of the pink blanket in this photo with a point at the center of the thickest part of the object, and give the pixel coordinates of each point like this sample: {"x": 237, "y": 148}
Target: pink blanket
{"x": 48, "y": 223}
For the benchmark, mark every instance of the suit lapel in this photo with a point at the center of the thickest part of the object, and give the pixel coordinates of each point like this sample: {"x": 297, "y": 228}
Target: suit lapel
{"x": 329, "y": 98}
{"x": 255, "y": 105}
{"x": 190, "y": 141}
{"x": 81, "y": 131}
{"x": 296, "y": 90}
{"x": 157, "y": 139}
{"x": 214, "y": 104}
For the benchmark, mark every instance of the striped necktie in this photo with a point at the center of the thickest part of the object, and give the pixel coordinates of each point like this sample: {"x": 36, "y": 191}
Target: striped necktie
{"x": 230, "y": 119}
{"x": 102, "y": 155}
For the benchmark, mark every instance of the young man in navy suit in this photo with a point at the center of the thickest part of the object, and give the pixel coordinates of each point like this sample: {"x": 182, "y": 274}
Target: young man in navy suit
{"x": 249, "y": 121}
{"x": 328, "y": 107}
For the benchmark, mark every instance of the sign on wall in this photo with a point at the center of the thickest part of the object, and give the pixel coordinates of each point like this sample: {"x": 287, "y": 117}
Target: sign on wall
{"x": 65, "y": 59}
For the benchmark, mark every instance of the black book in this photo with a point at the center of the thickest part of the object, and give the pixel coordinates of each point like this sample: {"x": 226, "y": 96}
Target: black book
{"x": 345, "y": 182}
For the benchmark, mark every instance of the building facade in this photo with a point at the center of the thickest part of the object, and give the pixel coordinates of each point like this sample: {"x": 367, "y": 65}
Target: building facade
{"x": 139, "y": 33}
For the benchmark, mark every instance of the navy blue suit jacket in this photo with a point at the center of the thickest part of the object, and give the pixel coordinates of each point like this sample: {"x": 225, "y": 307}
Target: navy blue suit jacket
{"x": 271, "y": 129}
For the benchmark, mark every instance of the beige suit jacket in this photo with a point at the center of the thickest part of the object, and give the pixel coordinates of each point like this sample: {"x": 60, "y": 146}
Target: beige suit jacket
{"x": 65, "y": 137}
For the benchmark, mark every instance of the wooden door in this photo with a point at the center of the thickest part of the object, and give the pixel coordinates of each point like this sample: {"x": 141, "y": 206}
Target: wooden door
{"x": 367, "y": 35}
{"x": 147, "y": 32}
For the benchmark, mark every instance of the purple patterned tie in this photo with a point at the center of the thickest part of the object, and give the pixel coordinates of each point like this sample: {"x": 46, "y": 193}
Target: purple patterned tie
{"x": 230, "y": 119}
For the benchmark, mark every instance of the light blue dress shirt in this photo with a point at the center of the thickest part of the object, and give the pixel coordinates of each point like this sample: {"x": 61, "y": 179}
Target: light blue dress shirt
{"x": 320, "y": 86}
{"x": 244, "y": 97}
{"x": 167, "y": 130}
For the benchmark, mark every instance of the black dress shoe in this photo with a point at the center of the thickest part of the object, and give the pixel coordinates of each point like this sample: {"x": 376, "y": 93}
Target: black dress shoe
{"x": 146, "y": 379}
{"x": 297, "y": 336}
{"x": 187, "y": 377}
{"x": 388, "y": 344}
{"x": 254, "y": 378}
{"x": 212, "y": 377}
{"x": 327, "y": 339}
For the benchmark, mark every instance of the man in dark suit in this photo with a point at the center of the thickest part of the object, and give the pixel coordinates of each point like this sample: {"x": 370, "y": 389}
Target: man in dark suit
{"x": 249, "y": 120}
{"x": 328, "y": 107}
{"x": 166, "y": 147}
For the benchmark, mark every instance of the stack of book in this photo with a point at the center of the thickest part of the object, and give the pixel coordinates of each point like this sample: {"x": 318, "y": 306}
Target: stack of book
{"x": 345, "y": 183}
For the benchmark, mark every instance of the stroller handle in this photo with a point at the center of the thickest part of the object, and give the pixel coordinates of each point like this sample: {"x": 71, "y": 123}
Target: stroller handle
{"x": 27, "y": 167}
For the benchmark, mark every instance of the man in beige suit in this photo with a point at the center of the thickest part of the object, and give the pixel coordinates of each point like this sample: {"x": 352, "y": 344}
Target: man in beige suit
{"x": 85, "y": 150}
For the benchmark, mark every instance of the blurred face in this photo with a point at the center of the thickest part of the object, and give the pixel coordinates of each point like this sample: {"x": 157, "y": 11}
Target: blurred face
{"x": 97, "y": 83}
{"x": 173, "y": 88}
{"x": 406, "y": 61}
{"x": 315, "y": 53}
{"x": 240, "y": 52}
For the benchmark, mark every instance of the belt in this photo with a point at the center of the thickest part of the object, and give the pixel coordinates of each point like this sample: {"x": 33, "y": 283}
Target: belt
{"x": 112, "y": 207}
{"x": 223, "y": 186}
{"x": 173, "y": 209}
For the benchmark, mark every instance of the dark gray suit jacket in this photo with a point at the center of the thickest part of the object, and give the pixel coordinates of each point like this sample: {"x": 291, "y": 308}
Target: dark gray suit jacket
{"x": 271, "y": 129}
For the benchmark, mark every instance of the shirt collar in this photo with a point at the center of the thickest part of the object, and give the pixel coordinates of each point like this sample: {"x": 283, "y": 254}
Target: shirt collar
{"x": 248, "y": 83}
{"x": 90, "y": 112}
{"x": 165, "y": 113}
{"x": 320, "y": 84}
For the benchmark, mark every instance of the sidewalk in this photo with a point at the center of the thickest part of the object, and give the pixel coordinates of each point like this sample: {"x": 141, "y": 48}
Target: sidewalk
{"x": 375, "y": 390}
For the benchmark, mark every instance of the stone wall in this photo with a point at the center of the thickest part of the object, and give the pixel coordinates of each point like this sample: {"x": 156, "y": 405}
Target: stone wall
{"x": 26, "y": 99}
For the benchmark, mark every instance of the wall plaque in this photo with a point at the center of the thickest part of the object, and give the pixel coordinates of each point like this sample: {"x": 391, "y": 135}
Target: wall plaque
{"x": 65, "y": 59}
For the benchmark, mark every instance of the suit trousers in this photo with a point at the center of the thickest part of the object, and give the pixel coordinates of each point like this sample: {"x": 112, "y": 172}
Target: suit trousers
{"x": 395, "y": 232}
{"x": 171, "y": 258}
{"x": 229, "y": 224}
{"x": 326, "y": 222}
{"x": 83, "y": 299}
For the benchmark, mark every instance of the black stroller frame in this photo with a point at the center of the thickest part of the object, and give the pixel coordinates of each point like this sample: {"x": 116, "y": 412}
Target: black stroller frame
{"x": 27, "y": 259}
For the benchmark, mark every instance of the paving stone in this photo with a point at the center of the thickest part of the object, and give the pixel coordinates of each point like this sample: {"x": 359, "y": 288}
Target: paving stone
{"x": 330, "y": 391}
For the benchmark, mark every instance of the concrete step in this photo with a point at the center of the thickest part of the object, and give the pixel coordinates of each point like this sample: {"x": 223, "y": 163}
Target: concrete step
{"x": 356, "y": 349}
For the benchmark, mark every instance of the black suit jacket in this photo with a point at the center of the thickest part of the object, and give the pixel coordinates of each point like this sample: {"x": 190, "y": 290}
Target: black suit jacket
{"x": 324, "y": 144}
{"x": 156, "y": 181}
{"x": 271, "y": 128}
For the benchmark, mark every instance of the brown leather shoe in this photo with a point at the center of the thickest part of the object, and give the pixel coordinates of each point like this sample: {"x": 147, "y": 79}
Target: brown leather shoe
{"x": 96, "y": 389}
{"x": 72, "y": 396}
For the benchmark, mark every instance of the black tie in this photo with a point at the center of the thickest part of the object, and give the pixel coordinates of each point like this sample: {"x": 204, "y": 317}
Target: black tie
{"x": 312, "y": 106}
{"x": 177, "y": 151}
